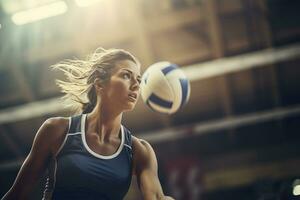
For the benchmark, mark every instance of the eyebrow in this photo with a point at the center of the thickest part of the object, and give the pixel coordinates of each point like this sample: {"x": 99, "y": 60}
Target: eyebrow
{"x": 139, "y": 76}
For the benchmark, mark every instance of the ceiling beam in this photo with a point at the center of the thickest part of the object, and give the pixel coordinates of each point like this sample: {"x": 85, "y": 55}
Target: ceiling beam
{"x": 174, "y": 20}
{"x": 194, "y": 72}
{"x": 222, "y": 124}
{"x": 241, "y": 62}
{"x": 31, "y": 110}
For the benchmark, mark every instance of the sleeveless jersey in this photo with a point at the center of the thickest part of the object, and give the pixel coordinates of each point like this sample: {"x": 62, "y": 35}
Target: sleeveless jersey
{"x": 77, "y": 172}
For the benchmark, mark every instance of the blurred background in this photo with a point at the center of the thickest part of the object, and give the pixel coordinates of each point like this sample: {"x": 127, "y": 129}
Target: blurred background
{"x": 237, "y": 138}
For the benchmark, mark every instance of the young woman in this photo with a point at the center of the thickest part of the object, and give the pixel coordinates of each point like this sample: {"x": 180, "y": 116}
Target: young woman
{"x": 92, "y": 155}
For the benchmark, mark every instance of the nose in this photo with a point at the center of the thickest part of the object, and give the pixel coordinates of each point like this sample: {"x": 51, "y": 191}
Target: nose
{"x": 135, "y": 85}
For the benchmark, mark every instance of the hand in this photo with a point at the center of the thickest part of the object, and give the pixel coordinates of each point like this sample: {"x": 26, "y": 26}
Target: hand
{"x": 168, "y": 198}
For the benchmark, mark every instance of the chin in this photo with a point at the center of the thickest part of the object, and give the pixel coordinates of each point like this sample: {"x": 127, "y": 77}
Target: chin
{"x": 129, "y": 107}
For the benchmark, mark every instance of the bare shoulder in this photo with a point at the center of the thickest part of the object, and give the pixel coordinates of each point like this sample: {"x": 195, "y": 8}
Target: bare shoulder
{"x": 143, "y": 154}
{"x": 57, "y": 123}
{"x": 140, "y": 145}
{"x": 55, "y": 127}
{"x": 52, "y": 132}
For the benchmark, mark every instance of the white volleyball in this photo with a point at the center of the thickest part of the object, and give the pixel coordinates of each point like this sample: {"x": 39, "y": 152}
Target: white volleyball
{"x": 164, "y": 87}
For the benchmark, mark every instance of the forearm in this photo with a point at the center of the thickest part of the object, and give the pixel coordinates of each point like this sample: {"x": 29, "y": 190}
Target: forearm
{"x": 24, "y": 183}
{"x": 146, "y": 170}
{"x": 157, "y": 197}
{"x": 153, "y": 196}
{"x": 12, "y": 195}
{"x": 154, "y": 193}
{"x": 18, "y": 193}
{"x": 168, "y": 198}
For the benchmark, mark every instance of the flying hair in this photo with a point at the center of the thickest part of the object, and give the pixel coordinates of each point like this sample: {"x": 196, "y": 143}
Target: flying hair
{"x": 78, "y": 88}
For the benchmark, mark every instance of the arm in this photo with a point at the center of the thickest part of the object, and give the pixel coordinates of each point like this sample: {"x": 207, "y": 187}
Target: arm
{"x": 46, "y": 141}
{"x": 145, "y": 168}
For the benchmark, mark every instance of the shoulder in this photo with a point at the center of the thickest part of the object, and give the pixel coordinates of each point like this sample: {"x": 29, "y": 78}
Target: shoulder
{"x": 52, "y": 132}
{"x": 140, "y": 145}
{"x": 55, "y": 127}
{"x": 143, "y": 153}
{"x": 56, "y": 123}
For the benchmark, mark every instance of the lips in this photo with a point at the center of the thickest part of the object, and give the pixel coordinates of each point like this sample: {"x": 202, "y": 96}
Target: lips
{"x": 132, "y": 96}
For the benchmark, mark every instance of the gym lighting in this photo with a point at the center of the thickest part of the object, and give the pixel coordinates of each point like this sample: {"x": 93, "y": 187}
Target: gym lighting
{"x": 296, "y": 187}
{"x": 85, "y": 3}
{"x": 38, "y": 13}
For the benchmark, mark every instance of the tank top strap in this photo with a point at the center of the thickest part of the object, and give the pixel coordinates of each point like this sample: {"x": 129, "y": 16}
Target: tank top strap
{"x": 75, "y": 124}
{"x": 128, "y": 139}
{"x": 73, "y": 139}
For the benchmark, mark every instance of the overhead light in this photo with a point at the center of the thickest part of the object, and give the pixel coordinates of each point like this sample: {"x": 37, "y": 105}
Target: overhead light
{"x": 296, "y": 187}
{"x": 38, "y": 13}
{"x": 84, "y": 3}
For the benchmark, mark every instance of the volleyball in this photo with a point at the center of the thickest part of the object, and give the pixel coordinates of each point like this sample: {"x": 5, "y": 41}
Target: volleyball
{"x": 164, "y": 87}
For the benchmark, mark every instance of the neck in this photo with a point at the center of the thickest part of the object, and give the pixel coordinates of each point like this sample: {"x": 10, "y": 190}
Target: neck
{"x": 105, "y": 122}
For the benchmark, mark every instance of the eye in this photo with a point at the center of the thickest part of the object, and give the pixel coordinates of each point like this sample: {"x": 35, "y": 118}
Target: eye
{"x": 126, "y": 75}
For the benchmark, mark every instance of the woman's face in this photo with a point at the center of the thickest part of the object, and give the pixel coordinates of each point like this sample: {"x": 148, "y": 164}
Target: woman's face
{"x": 122, "y": 90}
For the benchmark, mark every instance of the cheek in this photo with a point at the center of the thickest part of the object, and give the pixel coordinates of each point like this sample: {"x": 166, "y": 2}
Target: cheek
{"x": 118, "y": 88}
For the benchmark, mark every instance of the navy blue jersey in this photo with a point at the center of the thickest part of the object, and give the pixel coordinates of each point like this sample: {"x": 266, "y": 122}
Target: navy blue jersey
{"x": 79, "y": 173}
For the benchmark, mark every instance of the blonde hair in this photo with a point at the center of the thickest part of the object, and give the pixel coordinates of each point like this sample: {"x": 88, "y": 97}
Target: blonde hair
{"x": 79, "y": 90}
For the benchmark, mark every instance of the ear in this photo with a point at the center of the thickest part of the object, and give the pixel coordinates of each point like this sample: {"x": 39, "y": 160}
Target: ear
{"x": 98, "y": 84}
